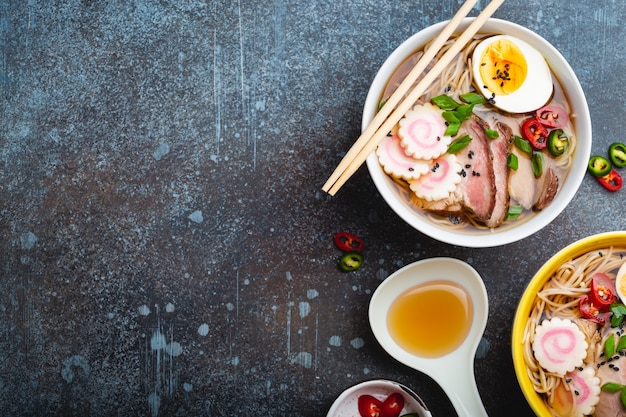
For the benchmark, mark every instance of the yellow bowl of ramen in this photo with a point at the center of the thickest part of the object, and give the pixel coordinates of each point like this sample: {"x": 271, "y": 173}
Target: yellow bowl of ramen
{"x": 605, "y": 253}
{"x": 477, "y": 210}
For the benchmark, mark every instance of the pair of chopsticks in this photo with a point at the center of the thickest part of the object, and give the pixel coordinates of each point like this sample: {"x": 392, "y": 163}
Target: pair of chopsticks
{"x": 393, "y": 110}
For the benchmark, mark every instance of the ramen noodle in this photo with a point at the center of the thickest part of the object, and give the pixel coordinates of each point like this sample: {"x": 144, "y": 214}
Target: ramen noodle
{"x": 563, "y": 297}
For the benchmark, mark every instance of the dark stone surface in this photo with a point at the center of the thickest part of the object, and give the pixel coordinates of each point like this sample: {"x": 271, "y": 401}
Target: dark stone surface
{"x": 165, "y": 246}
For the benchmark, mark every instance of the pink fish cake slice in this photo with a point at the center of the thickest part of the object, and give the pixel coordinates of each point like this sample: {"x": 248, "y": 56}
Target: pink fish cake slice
{"x": 422, "y": 132}
{"x": 396, "y": 162}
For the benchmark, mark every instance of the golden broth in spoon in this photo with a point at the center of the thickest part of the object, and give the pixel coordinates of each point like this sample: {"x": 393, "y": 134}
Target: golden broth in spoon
{"x": 430, "y": 319}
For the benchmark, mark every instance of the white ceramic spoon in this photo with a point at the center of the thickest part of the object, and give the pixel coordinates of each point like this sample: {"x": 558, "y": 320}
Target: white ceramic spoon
{"x": 454, "y": 372}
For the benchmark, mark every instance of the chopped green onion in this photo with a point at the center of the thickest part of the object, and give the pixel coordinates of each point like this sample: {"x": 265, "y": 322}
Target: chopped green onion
{"x": 537, "y": 164}
{"x": 459, "y": 144}
{"x": 452, "y": 129}
{"x": 622, "y": 397}
{"x": 612, "y": 387}
{"x": 473, "y": 98}
{"x": 522, "y": 144}
{"x": 444, "y": 102}
{"x": 514, "y": 212}
{"x": 450, "y": 117}
{"x": 492, "y": 134}
{"x": 464, "y": 111}
{"x": 512, "y": 162}
{"x": 381, "y": 104}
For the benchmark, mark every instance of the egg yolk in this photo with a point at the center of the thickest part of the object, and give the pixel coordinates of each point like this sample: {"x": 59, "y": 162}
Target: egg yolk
{"x": 503, "y": 67}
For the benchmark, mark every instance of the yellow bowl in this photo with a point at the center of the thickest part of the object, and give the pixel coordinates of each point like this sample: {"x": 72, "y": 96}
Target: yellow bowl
{"x": 574, "y": 250}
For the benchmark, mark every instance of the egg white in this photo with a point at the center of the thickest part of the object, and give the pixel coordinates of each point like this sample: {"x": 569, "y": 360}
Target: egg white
{"x": 532, "y": 94}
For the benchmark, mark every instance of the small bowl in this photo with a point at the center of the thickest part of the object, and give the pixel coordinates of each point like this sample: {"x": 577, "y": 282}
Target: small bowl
{"x": 346, "y": 405}
{"x": 398, "y": 198}
{"x": 574, "y": 250}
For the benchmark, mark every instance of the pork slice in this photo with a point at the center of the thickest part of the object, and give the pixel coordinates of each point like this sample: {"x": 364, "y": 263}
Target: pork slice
{"x": 549, "y": 187}
{"x": 476, "y": 191}
{"x": 500, "y": 148}
{"x": 522, "y": 182}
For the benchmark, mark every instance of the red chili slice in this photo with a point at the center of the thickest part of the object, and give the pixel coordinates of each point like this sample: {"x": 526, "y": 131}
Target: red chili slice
{"x": 612, "y": 181}
{"x": 602, "y": 292}
{"x": 369, "y": 406}
{"x": 552, "y": 116}
{"x": 535, "y": 133}
{"x": 591, "y": 312}
{"x": 347, "y": 242}
{"x": 393, "y": 405}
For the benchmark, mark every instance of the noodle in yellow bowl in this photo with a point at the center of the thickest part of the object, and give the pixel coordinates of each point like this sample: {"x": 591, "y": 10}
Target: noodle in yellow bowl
{"x": 464, "y": 226}
{"x": 560, "y": 282}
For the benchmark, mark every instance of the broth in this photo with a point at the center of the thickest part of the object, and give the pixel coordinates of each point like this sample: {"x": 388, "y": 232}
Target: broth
{"x": 431, "y": 319}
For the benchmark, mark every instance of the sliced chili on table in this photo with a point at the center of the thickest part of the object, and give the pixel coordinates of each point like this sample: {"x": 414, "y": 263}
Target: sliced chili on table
{"x": 599, "y": 166}
{"x": 535, "y": 133}
{"x": 558, "y": 142}
{"x": 348, "y": 242}
{"x": 617, "y": 154}
{"x": 350, "y": 261}
{"x": 612, "y": 181}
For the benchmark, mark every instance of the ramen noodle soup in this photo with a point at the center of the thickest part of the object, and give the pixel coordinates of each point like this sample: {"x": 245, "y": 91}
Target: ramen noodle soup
{"x": 574, "y": 344}
{"x": 489, "y": 143}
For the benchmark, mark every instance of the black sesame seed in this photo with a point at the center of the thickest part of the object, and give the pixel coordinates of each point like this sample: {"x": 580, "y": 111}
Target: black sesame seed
{"x": 467, "y": 165}
{"x": 576, "y": 392}
{"x": 411, "y": 169}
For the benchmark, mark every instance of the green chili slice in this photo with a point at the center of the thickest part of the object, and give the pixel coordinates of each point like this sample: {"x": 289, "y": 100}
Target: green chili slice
{"x": 617, "y": 153}
{"x": 350, "y": 261}
{"x": 558, "y": 142}
{"x": 599, "y": 166}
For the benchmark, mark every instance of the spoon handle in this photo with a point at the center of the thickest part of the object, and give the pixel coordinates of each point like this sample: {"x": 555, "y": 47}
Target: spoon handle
{"x": 463, "y": 393}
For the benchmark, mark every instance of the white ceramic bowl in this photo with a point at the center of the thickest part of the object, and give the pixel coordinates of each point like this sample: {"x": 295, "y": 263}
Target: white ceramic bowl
{"x": 346, "y": 405}
{"x": 398, "y": 199}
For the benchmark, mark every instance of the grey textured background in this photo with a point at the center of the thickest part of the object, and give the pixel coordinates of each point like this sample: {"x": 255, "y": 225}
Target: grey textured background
{"x": 165, "y": 246}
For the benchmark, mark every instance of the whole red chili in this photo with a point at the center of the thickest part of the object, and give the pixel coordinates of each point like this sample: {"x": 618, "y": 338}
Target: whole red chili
{"x": 348, "y": 242}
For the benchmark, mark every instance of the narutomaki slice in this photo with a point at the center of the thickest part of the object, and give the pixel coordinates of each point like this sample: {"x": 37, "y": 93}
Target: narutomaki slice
{"x": 559, "y": 345}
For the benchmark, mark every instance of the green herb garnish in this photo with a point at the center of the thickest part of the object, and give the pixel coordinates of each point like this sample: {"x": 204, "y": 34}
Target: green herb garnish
{"x": 459, "y": 144}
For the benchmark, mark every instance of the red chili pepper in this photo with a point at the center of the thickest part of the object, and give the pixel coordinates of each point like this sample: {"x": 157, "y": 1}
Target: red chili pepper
{"x": 602, "y": 291}
{"x": 347, "y": 242}
{"x": 612, "y": 181}
{"x": 552, "y": 116}
{"x": 535, "y": 133}
{"x": 591, "y": 312}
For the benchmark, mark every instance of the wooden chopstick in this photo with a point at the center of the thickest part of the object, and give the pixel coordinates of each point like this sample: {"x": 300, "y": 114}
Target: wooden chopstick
{"x": 375, "y": 132}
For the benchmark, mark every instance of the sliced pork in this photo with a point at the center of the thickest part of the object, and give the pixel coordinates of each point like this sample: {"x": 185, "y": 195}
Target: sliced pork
{"x": 476, "y": 191}
{"x": 500, "y": 149}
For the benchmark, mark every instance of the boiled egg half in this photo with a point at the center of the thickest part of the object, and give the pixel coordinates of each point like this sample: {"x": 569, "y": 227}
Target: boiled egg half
{"x": 620, "y": 283}
{"x": 511, "y": 74}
